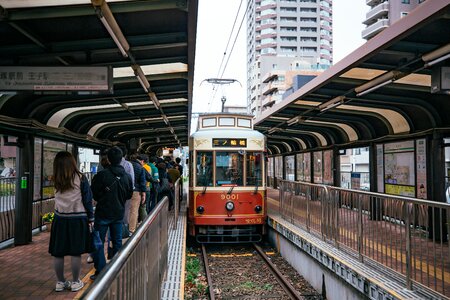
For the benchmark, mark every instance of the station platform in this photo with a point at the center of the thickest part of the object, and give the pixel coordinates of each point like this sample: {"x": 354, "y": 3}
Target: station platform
{"x": 371, "y": 280}
{"x": 27, "y": 271}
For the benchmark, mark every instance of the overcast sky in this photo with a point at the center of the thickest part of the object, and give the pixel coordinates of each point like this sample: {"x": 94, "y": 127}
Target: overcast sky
{"x": 215, "y": 21}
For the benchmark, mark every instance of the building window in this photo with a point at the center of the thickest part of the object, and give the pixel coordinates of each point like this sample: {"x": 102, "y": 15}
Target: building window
{"x": 405, "y": 1}
{"x": 288, "y": 9}
{"x": 403, "y": 14}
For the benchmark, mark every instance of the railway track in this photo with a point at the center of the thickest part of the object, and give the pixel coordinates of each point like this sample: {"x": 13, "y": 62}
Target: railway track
{"x": 247, "y": 273}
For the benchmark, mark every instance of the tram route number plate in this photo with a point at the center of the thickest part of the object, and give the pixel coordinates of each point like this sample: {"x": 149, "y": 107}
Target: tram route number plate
{"x": 253, "y": 221}
{"x": 229, "y": 142}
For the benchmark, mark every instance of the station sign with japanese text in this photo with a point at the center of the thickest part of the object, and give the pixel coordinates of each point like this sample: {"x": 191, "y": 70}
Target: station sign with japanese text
{"x": 98, "y": 79}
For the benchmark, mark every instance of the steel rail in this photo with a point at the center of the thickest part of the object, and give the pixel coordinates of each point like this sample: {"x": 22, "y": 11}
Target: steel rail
{"x": 288, "y": 288}
{"x": 208, "y": 273}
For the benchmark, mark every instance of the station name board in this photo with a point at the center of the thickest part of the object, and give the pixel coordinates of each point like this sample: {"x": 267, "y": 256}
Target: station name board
{"x": 229, "y": 142}
{"x": 87, "y": 79}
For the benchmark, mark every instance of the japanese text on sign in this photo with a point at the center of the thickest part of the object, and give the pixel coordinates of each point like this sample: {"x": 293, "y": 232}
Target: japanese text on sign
{"x": 229, "y": 143}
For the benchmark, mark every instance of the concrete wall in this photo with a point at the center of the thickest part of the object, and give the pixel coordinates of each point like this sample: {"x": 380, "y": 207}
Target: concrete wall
{"x": 335, "y": 288}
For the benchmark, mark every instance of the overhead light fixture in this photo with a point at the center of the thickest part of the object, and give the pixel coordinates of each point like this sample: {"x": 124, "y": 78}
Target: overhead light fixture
{"x": 272, "y": 130}
{"x": 332, "y": 103}
{"x": 436, "y": 56}
{"x": 295, "y": 120}
{"x": 166, "y": 120}
{"x": 154, "y": 99}
{"x": 141, "y": 77}
{"x": 106, "y": 17}
{"x": 378, "y": 82}
{"x": 374, "y": 87}
{"x": 158, "y": 139}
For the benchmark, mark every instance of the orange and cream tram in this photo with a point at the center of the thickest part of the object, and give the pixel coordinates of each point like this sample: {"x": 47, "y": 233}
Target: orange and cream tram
{"x": 227, "y": 190}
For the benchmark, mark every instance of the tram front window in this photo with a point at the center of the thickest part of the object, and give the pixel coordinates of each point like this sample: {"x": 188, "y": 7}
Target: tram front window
{"x": 204, "y": 169}
{"x": 254, "y": 168}
{"x": 229, "y": 169}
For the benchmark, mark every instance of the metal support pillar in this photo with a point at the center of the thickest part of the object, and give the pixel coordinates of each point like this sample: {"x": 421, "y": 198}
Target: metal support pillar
{"x": 376, "y": 206}
{"x": 24, "y": 191}
{"x": 438, "y": 217}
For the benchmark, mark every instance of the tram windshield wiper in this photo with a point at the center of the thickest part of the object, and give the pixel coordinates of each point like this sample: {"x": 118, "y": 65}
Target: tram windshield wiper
{"x": 256, "y": 189}
{"x": 230, "y": 190}
{"x": 204, "y": 189}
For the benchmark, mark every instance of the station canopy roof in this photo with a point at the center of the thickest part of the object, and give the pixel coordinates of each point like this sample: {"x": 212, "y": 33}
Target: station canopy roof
{"x": 150, "y": 46}
{"x": 380, "y": 92}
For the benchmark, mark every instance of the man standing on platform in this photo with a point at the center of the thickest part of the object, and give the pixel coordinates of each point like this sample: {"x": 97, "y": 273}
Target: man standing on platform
{"x": 111, "y": 188}
{"x": 153, "y": 189}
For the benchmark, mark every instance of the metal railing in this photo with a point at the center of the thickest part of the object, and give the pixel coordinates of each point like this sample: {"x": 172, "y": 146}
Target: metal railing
{"x": 137, "y": 270}
{"x": 7, "y": 206}
{"x": 407, "y": 235}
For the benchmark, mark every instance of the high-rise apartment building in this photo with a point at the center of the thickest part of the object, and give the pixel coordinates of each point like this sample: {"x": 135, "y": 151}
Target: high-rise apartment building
{"x": 384, "y": 13}
{"x": 285, "y": 35}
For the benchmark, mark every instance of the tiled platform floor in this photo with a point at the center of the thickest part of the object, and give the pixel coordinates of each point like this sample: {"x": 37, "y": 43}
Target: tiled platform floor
{"x": 27, "y": 272}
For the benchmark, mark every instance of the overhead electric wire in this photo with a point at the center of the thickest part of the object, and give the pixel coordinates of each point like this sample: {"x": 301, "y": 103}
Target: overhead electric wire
{"x": 231, "y": 51}
{"x": 229, "y": 39}
{"x": 235, "y": 39}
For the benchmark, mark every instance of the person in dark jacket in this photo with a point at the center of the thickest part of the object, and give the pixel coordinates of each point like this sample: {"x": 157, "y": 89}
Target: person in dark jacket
{"x": 164, "y": 187}
{"x": 140, "y": 186}
{"x": 111, "y": 187}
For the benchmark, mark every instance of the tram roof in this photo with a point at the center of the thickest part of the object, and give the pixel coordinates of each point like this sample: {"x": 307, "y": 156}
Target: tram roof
{"x": 161, "y": 37}
{"x": 337, "y": 107}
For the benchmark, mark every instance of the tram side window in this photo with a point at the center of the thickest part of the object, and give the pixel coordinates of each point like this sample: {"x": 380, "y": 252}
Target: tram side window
{"x": 229, "y": 168}
{"x": 254, "y": 168}
{"x": 204, "y": 169}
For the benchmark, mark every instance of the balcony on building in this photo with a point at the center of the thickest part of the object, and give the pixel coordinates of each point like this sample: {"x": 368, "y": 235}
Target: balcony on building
{"x": 268, "y": 25}
{"x": 268, "y": 101}
{"x": 323, "y": 46}
{"x": 372, "y": 3}
{"x": 326, "y": 27}
{"x": 326, "y": 37}
{"x": 269, "y": 77}
{"x": 267, "y": 6}
{"x": 326, "y": 18}
{"x": 325, "y": 8}
{"x": 375, "y": 28}
{"x": 377, "y": 12}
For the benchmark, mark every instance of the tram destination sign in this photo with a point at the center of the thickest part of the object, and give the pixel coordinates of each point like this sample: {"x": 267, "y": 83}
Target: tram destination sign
{"x": 229, "y": 143}
{"x": 89, "y": 80}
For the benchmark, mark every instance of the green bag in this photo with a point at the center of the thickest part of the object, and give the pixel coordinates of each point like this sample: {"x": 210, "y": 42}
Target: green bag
{"x": 142, "y": 213}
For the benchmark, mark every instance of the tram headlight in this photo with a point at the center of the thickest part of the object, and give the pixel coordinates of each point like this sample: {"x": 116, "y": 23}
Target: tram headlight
{"x": 200, "y": 209}
{"x": 258, "y": 208}
{"x": 229, "y": 206}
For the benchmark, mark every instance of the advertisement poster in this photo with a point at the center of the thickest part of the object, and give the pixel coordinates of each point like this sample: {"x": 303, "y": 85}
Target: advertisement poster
{"x": 380, "y": 169}
{"x": 399, "y": 168}
{"x": 307, "y": 169}
{"x": 318, "y": 167}
{"x": 401, "y": 190}
{"x": 421, "y": 163}
{"x": 328, "y": 167}
{"x": 300, "y": 167}
{"x": 356, "y": 181}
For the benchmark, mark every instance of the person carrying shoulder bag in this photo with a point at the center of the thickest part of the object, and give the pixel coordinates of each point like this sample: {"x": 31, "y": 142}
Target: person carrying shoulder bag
{"x": 111, "y": 188}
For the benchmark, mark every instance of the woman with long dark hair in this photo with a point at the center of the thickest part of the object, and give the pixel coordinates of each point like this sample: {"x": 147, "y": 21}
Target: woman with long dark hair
{"x": 73, "y": 219}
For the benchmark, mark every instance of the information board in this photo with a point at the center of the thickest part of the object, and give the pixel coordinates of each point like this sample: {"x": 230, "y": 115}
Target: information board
{"x": 79, "y": 79}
